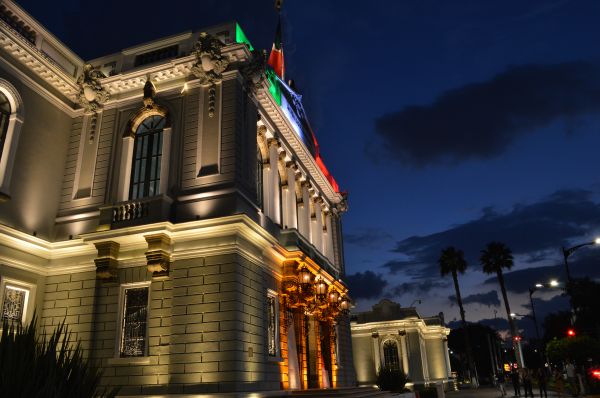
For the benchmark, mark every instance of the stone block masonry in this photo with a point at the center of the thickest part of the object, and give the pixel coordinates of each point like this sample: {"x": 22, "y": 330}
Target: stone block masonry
{"x": 206, "y": 329}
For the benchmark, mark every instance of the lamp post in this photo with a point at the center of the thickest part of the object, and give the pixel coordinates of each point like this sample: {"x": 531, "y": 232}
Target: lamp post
{"x": 531, "y": 290}
{"x": 566, "y": 254}
{"x": 571, "y": 250}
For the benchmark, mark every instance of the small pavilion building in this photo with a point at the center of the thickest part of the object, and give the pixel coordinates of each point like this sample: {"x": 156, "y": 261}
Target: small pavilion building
{"x": 394, "y": 336}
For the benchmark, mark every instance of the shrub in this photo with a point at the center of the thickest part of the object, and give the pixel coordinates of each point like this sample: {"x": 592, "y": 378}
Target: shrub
{"x": 391, "y": 379}
{"x": 50, "y": 367}
{"x": 428, "y": 392}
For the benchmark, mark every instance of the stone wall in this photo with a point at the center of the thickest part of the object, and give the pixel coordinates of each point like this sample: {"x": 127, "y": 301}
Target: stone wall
{"x": 206, "y": 326}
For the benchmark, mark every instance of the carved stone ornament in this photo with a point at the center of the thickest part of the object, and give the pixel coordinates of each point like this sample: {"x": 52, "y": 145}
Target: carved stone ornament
{"x": 210, "y": 63}
{"x": 254, "y": 70}
{"x": 106, "y": 262}
{"x": 149, "y": 93}
{"x": 91, "y": 93}
{"x": 158, "y": 256}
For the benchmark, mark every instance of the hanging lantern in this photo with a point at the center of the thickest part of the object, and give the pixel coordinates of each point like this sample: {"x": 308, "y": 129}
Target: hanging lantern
{"x": 333, "y": 296}
{"x": 344, "y": 305}
{"x": 321, "y": 289}
{"x": 305, "y": 276}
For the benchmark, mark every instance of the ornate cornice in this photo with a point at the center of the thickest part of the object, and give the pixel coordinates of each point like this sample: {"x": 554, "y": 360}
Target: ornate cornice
{"x": 39, "y": 63}
{"x": 278, "y": 120}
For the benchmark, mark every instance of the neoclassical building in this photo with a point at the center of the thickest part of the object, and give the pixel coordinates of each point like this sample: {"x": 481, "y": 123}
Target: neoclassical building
{"x": 169, "y": 202}
{"x": 394, "y": 336}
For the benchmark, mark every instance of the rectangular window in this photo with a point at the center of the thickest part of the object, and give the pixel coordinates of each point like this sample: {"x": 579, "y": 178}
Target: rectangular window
{"x": 156, "y": 55}
{"x": 273, "y": 324}
{"x": 134, "y": 322}
{"x": 14, "y": 303}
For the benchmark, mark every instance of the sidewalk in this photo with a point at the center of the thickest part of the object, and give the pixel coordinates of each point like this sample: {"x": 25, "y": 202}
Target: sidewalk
{"x": 491, "y": 393}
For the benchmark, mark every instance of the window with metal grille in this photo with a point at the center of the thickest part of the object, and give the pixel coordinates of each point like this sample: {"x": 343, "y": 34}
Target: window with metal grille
{"x": 147, "y": 154}
{"x": 13, "y": 304}
{"x": 259, "y": 179}
{"x": 134, "y": 322}
{"x": 4, "y": 119}
{"x": 390, "y": 354}
{"x": 272, "y": 333}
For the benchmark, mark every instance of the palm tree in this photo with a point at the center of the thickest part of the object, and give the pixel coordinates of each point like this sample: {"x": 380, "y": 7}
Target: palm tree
{"x": 494, "y": 258}
{"x": 452, "y": 261}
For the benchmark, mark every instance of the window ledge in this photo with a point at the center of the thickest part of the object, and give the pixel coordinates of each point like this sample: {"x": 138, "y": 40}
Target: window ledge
{"x": 129, "y": 361}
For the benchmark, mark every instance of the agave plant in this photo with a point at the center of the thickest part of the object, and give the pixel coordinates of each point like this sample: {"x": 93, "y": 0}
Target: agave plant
{"x": 50, "y": 366}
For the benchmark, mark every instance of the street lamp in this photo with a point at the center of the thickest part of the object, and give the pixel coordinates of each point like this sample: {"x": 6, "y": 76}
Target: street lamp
{"x": 571, "y": 250}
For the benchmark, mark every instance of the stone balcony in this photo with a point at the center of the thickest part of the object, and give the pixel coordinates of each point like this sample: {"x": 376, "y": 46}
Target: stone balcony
{"x": 292, "y": 240}
{"x": 136, "y": 212}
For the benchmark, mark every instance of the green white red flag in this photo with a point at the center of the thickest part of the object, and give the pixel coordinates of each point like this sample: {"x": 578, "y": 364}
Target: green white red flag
{"x": 276, "y": 56}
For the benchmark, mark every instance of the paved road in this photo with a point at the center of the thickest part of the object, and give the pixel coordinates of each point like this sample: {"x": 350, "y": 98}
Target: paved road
{"x": 488, "y": 393}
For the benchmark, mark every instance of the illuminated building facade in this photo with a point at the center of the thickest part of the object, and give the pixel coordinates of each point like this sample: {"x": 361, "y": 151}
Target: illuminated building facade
{"x": 397, "y": 337}
{"x": 170, "y": 203}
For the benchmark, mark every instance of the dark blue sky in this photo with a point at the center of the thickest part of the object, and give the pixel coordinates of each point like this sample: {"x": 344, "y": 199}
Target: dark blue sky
{"x": 449, "y": 123}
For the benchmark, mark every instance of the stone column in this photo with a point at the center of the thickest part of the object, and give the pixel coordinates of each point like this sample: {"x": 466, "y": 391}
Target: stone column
{"x": 447, "y": 358}
{"x": 165, "y": 161}
{"x": 288, "y": 193}
{"x": 275, "y": 192}
{"x": 125, "y": 168}
{"x": 304, "y": 212}
{"x": 404, "y": 353}
{"x": 376, "y": 355}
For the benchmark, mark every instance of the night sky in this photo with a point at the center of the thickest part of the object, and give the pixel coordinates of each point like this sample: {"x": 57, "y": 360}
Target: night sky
{"x": 449, "y": 123}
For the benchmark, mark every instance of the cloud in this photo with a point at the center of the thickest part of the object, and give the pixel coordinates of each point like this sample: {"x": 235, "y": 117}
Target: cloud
{"x": 582, "y": 264}
{"x": 422, "y": 286}
{"x": 366, "y": 285}
{"x": 368, "y": 238}
{"x": 528, "y": 229}
{"x": 481, "y": 120}
{"x": 500, "y": 324}
{"x": 489, "y": 299}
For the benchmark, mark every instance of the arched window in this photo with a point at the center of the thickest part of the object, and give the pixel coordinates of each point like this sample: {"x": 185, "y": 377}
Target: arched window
{"x": 147, "y": 154}
{"x": 259, "y": 178}
{"x": 5, "y": 112}
{"x": 390, "y": 354}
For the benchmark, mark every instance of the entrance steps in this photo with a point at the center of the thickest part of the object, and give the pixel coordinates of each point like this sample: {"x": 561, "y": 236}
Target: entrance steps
{"x": 349, "y": 392}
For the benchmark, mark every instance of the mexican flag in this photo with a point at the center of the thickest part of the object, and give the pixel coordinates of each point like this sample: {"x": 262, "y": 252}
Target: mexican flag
{"x": 276, "y": 56}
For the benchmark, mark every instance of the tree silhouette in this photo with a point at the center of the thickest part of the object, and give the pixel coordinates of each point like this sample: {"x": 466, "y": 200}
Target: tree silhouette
{"x": 495, "y": 258}
{"x": 452, "y": 261}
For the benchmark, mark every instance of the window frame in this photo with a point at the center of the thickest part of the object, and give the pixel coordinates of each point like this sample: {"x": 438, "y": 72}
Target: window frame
{"x": 152, "y": 135}
{"x": 16, "y": 284}
{"x": 120, "y": 320}
{"x": 11, "y": 139}
{"x": 398, "y": 353}
{"x": 277, "y": 356}
{"x": 127, "y": 147}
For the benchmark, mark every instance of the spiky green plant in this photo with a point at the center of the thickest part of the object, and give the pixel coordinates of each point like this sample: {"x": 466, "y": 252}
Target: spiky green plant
{"x": 50, "y": 366}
